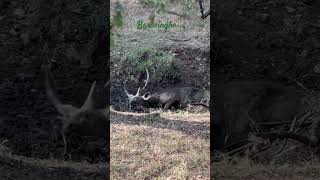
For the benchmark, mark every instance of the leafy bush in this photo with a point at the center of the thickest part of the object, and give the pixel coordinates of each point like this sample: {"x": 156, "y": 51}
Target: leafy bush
{"x": 160, "y": 64}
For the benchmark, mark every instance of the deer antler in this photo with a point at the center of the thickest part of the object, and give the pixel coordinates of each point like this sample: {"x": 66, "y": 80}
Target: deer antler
{"x": 50, "y": 92}
{"x": 127, "y": 93}
{"x": 67, "y": 111}
{"x": 131, "y": 96}
{"x": 74, "y": 115}
{"x": 88, "y": 104}
{"x": 147, "y": 80}
{"x": 106, "y": 84}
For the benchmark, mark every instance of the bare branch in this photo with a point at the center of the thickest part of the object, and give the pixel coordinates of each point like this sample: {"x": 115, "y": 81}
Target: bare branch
{"x": 289, "y": 135}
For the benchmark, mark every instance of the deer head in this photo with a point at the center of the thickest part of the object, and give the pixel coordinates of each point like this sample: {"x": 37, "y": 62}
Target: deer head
{"x": 137, "y": 98}
{"x": 69, "y": 114}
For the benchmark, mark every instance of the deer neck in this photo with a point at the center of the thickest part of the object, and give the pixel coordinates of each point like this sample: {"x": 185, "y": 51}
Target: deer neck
{"x": 154, "y": 100}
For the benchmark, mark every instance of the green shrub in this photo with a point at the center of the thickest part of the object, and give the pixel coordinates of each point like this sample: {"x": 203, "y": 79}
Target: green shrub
{"x": 147, "y": 55}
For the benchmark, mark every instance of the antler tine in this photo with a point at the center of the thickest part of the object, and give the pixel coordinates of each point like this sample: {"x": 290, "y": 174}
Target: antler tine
{"x": 147, "y": 80}
{"x": 130, "y": 96}
{"x": 127, "y": 93}
{"x": 138, "y": 92}
{"x": 107, "y": 84}
{"x": 49, "y": 90}
{"x": 88, "y": 104}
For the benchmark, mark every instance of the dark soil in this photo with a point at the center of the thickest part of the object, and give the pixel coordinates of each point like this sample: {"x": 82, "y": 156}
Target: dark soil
{"x": 268, "y": 40}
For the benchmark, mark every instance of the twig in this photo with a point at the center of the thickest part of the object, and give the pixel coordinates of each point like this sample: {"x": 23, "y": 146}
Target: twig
{"x": 283, "y": 135}
{"x": 292, "y": 148}
{"x": 298, "y": 83}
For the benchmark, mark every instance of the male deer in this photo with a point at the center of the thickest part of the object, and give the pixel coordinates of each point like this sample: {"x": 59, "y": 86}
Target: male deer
{"x": 243, "y": 106}
{"x": 85, "y": 121}
{"x": 240, "y": 104}
{"x": 178, "y": 97}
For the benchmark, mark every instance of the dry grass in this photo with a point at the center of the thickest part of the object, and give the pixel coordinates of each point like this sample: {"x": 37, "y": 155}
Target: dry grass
{"x": 146, "y": 149}
{"x": 85, "y": 167}
{"x": 244, "y": 168}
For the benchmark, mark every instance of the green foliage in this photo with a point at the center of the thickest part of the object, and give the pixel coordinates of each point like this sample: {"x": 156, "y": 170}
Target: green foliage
{"x": 165, "y": 6}
{"x": 158, "y": 4}
{"x": 151, "y": 118}
{"x": 163, "y": 3}
{"x": 117, "y": 20}
{"x": 134, "y": 59}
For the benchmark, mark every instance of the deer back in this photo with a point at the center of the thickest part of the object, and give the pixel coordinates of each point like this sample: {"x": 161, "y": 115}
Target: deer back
{"x": 240, "y": 104}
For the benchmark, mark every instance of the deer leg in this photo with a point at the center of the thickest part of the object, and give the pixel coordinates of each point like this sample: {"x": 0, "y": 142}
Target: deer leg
{"x": 55, "y": 134}
{"x": 167, "y": 105}
{"x": 64, "y": 143}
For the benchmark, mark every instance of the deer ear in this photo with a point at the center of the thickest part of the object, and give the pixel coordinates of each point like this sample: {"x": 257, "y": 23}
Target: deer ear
{"x": 146, "y": 96}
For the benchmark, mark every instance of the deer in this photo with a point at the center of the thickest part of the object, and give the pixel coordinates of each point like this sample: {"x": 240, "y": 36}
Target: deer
{"x": 243, "y": 107}
{"x": 178, "y": 97}
{"x": 84, "y": 120}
